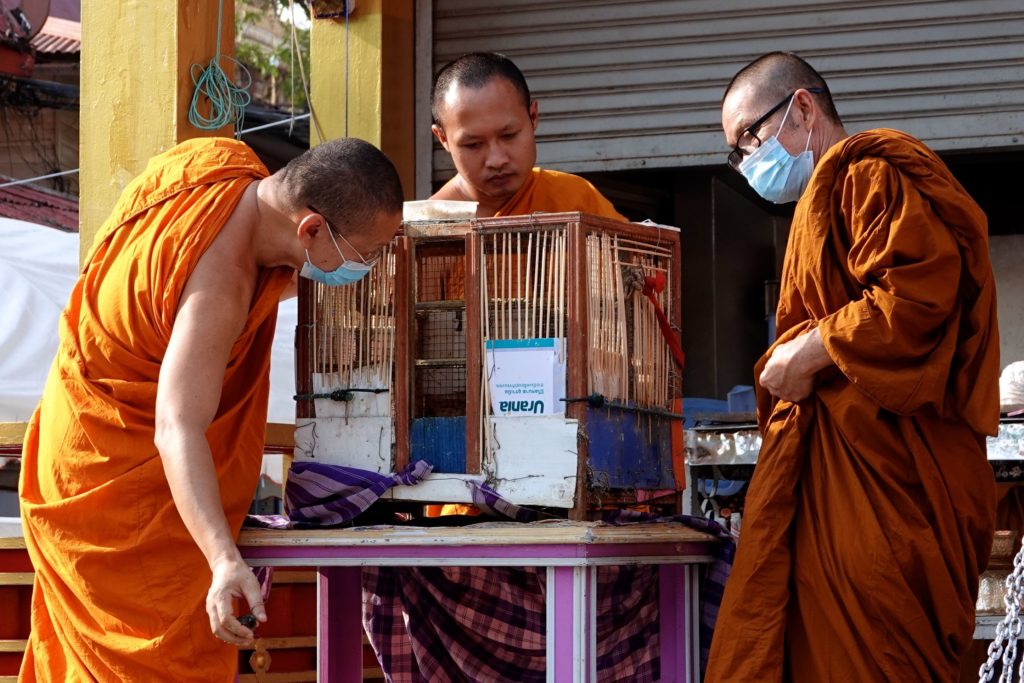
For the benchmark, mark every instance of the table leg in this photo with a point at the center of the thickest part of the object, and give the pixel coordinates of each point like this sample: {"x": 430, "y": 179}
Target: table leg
{"x": 571, "y": 624}
{"x": 339, "y": 625}
{"x": 679, "y": 613}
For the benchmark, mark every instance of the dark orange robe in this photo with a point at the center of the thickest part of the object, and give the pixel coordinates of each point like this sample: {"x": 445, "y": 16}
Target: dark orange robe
{"x": 871, "y": 511}
{"x": 554, "y": 191}
{"x": 120, "y": 585}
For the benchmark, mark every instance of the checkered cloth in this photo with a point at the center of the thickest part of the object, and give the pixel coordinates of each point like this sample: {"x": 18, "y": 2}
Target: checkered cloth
{"x": 488, "y": 623}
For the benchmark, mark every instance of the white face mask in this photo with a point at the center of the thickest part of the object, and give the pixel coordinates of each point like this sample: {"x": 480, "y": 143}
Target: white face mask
{"x": 774, "y": 173}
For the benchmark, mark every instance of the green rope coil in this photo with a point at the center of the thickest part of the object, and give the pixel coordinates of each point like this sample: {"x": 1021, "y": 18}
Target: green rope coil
{"x": 227, "y": 100}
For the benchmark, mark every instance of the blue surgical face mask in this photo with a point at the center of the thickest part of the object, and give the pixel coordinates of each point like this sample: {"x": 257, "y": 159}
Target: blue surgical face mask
{"x": 774, "y": 173}
{"x": 345, "y": 274}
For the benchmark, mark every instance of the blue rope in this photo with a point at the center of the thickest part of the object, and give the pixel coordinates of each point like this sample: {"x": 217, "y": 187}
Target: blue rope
{"x": 227, "y": 100}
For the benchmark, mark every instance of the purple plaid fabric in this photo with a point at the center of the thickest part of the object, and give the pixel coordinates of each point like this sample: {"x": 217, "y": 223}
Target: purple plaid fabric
{"x": 328, "y": 495}
{"x": 486, "y": 624}
{"x": 713, "y": 576}
{"x": 491, "y": 502}
{"x": 320, "y": 495}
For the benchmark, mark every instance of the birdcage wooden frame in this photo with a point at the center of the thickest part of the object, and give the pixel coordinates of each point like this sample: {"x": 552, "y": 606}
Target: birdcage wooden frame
{"x": 648, "y": 461}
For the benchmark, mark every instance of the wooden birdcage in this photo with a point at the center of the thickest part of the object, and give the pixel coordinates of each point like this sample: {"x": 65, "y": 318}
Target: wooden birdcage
{"x": 405, "y": 365}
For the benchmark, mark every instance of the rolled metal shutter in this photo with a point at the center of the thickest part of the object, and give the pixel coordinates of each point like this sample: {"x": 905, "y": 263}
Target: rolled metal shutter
{"x": 638, "y": 84}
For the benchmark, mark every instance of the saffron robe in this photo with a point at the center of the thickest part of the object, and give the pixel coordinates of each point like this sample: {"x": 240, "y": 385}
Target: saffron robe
{"x": 554, "y": 191}
{"x": 871, "y": 511}
{"x": 120, "y": 585}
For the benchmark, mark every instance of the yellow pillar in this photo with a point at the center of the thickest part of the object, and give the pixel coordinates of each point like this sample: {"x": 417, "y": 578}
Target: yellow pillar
{"x": 136, "y": 88}
{"x": 372, "y": 96}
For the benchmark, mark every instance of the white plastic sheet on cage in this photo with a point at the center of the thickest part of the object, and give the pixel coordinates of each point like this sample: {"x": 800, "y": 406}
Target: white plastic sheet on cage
{"x": 738, "y": 447}
{"x": 1011, "y": 388}
{"x": 1008, "y": 443}
{"x": 438, "y": 209}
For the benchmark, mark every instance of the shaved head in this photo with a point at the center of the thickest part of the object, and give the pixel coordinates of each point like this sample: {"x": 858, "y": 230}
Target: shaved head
{"x": 474, "y": 71}
{"x": 777, "y": 74}
{"x": 348, "y": 179}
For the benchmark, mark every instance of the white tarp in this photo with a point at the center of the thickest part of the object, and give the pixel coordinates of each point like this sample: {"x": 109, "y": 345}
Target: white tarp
{"x": 38, "y": 269}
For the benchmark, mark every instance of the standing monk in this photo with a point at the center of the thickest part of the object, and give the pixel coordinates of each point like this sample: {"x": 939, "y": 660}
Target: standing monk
{"x": 871, "y": 511}
{"x": 484, "y": 117}
{"x": 142, "y": 458}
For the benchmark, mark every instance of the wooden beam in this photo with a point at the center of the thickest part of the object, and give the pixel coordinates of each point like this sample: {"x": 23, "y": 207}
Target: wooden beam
{"x": 577, "y": 383}
{"x": 12, "y": 433}
{"x": 405, "y": 326}
{"x": 280, "y": 435}
{"x": 16, "y": 578}
{"x": 284, "y": 643}
{"x": 476, "y": 412}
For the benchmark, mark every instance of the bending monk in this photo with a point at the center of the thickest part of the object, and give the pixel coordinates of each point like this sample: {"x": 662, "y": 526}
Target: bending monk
{"x": 143, "y": 456}
{"x": 484, "y": 117}
{"x": 871, "y": 511}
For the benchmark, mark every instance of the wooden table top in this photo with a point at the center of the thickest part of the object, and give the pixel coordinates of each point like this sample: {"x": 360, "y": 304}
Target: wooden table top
{"x": 557, "y": 532}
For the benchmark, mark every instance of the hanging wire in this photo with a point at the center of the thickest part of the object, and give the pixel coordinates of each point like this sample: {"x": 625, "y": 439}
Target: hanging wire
{"x": 227, "y": 101}
{"x": 295, "y": 47}
{"x": 25, "y": 181}
{"x": 291, "y": 68}
{"x": 289, "y": 121}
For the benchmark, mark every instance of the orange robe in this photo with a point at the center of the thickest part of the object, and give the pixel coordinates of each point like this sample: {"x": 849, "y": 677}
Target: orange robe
{"x": 120, "y": 585}
{"x": 871, "y": 511}
{"x": 554, "y": 191}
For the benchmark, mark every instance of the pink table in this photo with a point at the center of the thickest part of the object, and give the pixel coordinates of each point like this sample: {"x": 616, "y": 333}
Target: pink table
{"x": 571, "y": 552}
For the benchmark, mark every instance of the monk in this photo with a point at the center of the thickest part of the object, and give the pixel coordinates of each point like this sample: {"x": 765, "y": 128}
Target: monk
{"x": 485, "y": 118}
{"x": 871, "y": 512}
{"x": 143, "y": 456}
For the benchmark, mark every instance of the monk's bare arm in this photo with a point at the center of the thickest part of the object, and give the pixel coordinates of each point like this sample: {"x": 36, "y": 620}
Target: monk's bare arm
{"x": 789, "y": 373}
{"x": 210, "y": 317}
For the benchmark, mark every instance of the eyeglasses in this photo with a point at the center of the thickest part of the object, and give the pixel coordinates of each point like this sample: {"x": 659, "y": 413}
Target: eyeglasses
{"x": 736, "y": 155}
{"x": 373, "y": 258}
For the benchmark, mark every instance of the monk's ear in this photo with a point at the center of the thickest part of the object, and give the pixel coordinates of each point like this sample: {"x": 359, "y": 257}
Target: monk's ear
{"x": 308, "y": 228}
{"x": 807, "y": 106}
{"x": 533, "y": 113}
{"x": 438, "y": 132}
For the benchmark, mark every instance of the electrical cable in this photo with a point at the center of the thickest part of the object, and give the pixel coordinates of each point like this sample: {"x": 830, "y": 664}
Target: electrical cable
{"x": 227, "y": 101}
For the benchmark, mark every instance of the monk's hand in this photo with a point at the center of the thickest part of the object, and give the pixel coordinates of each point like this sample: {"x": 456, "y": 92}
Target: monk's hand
{"x": 233, "y": 579}
{"x": 789, "y": 373}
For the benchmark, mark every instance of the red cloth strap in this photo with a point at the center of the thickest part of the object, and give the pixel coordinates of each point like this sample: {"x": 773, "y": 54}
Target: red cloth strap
{"x": 656, "y": 284}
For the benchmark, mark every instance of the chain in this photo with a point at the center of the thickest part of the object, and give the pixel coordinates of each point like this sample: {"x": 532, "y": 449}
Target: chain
{"x": 1008, "y": 630}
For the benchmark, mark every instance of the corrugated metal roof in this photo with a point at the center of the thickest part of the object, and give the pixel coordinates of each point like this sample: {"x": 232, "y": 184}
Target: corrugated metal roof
{"x": 638, "y": 83}
{"x": 42, "y": 207}
{"x": 58, "y": 37}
